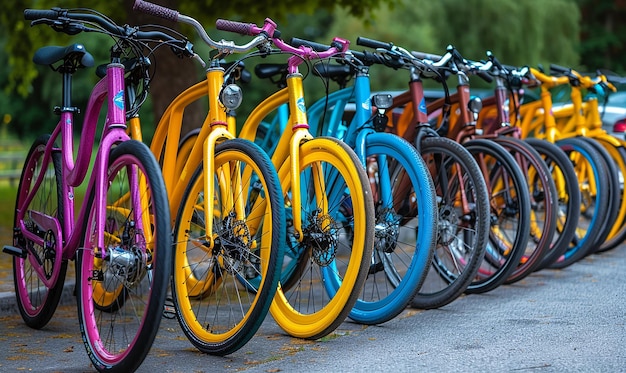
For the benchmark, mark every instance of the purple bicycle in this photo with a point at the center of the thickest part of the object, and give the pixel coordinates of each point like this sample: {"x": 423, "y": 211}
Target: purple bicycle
{"x": 120, "y": 238}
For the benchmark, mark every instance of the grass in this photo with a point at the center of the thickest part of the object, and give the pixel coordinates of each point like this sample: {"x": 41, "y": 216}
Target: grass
{"x": 7, "y": 199}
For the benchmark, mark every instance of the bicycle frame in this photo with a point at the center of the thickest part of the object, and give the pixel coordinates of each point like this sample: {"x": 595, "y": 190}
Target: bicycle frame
{"x": 75, "y": 170}
{"x": 287, "y": 153}
{"x": 360, "y": 126}
{"x": 217, "y": 127}
{"x": 414, "y": 117}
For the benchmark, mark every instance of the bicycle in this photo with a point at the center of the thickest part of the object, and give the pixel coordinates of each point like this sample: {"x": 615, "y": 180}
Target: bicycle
{"x": 496, "y": 116}
{"x": 332, "y": 210}
{"x": 505, "y": 183}
{"x": 542, "y": 188}
{"x": 400, "y": 183}
{"x": 536, "y": 119}
{"x": 583, "y": 120}
{"x": 462, "y": 200}
{"x": 230, "y": 228}
{"x": 305, "y": 166}
{"x": 121, "y": 239}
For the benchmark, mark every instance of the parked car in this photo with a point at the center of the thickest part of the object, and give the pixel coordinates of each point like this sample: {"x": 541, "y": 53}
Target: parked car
{"x": 613, "y": 114}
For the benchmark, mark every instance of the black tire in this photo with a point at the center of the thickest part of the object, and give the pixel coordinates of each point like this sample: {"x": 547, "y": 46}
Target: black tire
{"x": 458, "y": 231}
{"x": 510, "y": 215}
{"x": 568, "y": 200}
{"x": 134, "y": 271}
{"x": 36, "y": 302}
{"x": 543, "y": 202}
{"x": 233, "y": 266}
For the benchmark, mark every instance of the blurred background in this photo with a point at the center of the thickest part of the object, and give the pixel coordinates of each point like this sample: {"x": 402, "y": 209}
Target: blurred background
{"x": 583, "y": 34}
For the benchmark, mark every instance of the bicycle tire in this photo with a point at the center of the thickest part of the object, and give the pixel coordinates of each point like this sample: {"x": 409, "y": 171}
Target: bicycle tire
{"x": 461, "y": 235}
{"x": 244, "y": 249}
{"x": 35, "y": 301}
{"x": 615, "y": 194}
{"x": 185, "y": 145}
{"x": 137, "y": 242}
{"x": 510, "y": 215}
{"x": 617, "y": 233}
{"x": 568, "y": 211}
{"x": 594, "y": 208}
{"x": 339, "y": 267}
{"x": 543, "y": 202}
{"x": 406, "y": 221}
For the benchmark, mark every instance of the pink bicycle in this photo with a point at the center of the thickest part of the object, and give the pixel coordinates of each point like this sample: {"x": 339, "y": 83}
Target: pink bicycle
{"x": 121, "y": 238}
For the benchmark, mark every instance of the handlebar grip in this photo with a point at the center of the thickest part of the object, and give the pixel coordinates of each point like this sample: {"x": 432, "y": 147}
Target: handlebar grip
{"x": 559, "y": 69}
{"x": 155, "y": 10}
{"x": 236, "y": 27}
{"x": 510, "y": 67}
{"x": 33, "y": 14}
{"x": 318, "y": 47}
{"x": 426, "y": 56}
{"x": 371, "y": 43}
{"x": 485, "y": 76}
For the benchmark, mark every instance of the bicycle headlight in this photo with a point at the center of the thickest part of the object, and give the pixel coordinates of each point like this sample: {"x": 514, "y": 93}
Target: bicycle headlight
{"x": 382, "y": 101}
{"x": 475, "y": 104}
{"x": 231, "y": 96}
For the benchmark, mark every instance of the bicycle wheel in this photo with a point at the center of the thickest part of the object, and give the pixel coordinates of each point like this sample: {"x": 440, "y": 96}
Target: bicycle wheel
{"x": 510, "y": 214}
{"x": 594, "y": 189}
{"x": 543, "y": 203}
{"x": 123, "y": 268}
{"x": 463, "y": 222}
{"x": 406, "y": 220}
{"x": 335, "y": 245}
{"x": 223, "y": 293}
{"x": 568, "y": 200}
{"x": 37, "y": 300}
{"x": 614, "y": 196}
{"x": 617, "y": 233}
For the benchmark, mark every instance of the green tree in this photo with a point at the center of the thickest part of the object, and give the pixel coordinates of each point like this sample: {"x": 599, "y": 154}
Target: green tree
{"x": 173, "y": 75}
{"x": 518, "y": 32}
{"x": 603, "y": 34}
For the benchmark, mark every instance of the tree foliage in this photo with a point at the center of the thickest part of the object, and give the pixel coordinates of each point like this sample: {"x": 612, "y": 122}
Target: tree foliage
{"x": 603, "y": 34}
{"x": 517, "y": 32}
{"x": 578, "y": 33}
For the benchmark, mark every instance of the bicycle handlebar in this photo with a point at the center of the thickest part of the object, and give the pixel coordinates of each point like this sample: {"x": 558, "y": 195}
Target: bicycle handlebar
{"x": 303, "y": 48}
{"x": 34, "y": 14}
{"x": 365, "y": 58}
{"x": 223, "y": 45}
{"x": 577, "y": 79}
{"x": 374, "y": 44}
{"x": 451, "y": 61}
{"x": 68, "y": 21}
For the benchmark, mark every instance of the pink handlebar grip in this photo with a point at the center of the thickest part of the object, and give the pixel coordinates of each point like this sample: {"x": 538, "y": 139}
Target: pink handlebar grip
{"x": 156, "y": 10}
{"x": 236, "y": 27}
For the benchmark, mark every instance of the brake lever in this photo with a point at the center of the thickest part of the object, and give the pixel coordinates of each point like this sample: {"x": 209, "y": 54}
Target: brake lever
{"x": 65, "y": 26}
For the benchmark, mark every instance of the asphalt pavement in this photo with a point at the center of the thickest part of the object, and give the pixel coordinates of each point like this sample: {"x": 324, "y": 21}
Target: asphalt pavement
{"x": 570, "y": 320}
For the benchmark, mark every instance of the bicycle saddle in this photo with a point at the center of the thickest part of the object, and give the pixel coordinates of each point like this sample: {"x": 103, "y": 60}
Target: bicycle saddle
{"x": 75, "y": 53}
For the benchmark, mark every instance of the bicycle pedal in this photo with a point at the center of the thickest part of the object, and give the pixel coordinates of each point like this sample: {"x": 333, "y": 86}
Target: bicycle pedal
{"x": 15, "y": 251}
{"x": 374, "y": 268}
{"x": 169, "y": 311}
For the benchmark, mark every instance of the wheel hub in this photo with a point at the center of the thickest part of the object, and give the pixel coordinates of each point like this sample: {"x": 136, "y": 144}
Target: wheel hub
{"x": 447, "y": 225}
{"x": 386, "y": 230}
{"x": 320, "y": 235}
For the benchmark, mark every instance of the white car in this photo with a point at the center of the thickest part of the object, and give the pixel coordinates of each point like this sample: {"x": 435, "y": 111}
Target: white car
{"x": 613, "y": 114}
